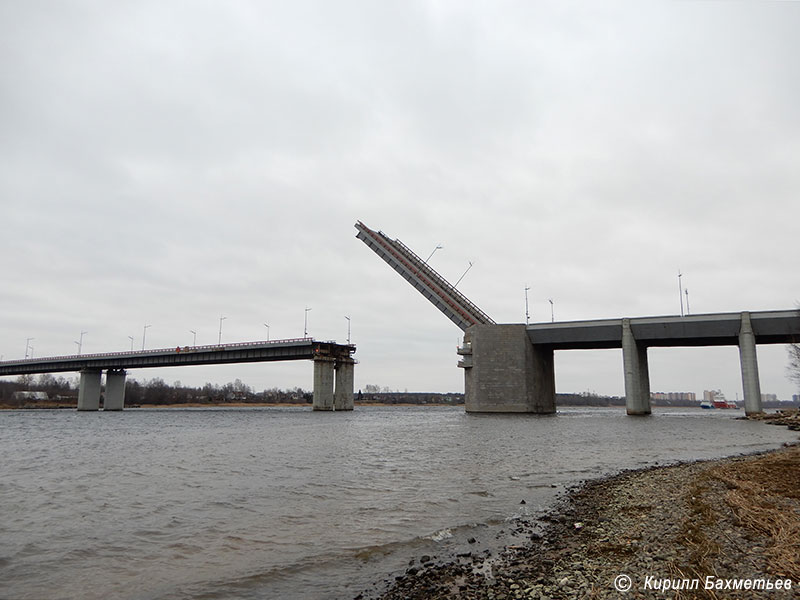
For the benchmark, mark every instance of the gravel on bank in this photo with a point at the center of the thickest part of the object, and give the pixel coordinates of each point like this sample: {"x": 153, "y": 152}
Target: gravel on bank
{"x": 730, "y": 523}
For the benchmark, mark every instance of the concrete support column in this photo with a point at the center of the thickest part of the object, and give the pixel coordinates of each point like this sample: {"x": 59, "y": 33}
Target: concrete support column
{"x": 343, "y": 389}
{"x": 637, "y": 375}
{"x": 543, "y": 369}
{"x": 747, "y": 357}
{"x": 114, "y": 398}
{"x": 89, "y": 390}
{"x": 323, "y": 383}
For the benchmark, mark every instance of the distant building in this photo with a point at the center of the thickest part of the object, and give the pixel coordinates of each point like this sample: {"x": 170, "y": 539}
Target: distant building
{"x": 30, "y": 396}
{"x": 796, "y": 398}
{"x": 769, "y": 397}
{"x": 674, "y": 396}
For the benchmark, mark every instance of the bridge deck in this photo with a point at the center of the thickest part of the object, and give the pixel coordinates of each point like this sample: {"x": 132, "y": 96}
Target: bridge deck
{"x": 719, "y": 329}
{"x": 294, "y": 349}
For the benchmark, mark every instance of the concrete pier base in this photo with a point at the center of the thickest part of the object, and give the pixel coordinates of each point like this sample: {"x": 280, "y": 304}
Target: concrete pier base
{"x": 114, "y": 397}
{"x": 323, "y": 383}
{"x": 637, "y": 375}
{"x": 749, "y": 362}
{"x": 503, "y": 372}
{"x": 89, "y": 390}
{"x": 343, "y": 389}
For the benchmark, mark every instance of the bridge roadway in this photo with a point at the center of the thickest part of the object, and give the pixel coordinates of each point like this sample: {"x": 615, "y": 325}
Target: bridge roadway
{"x": 717, "y": 329}
{"x": 333, "y": 367}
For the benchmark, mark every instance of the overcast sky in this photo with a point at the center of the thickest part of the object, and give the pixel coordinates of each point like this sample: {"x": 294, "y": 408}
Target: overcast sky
{"x": 167, "y": 163}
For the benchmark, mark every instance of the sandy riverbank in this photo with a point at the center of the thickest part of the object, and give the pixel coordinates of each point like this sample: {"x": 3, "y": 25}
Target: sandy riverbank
{"x": 735, "y": 520}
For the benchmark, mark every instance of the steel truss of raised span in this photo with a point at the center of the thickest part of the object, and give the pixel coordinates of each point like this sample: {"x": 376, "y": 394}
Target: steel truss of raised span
{"x": 333, "y": 363}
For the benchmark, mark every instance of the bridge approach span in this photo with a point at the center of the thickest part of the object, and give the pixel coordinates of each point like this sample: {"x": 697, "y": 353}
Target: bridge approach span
{"x": 333, "y": 367}
{"x": 717, "y": 329}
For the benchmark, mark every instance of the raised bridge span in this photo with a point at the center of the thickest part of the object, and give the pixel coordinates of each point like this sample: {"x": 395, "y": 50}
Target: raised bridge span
{"x": 333, "y": 367}
{"x": 511, "y": 367}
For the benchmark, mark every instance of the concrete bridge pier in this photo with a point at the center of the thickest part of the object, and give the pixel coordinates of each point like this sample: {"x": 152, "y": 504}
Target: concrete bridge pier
{"x": 114, "y": 398}
{"x": 637, "y": 375}
{"x": 505, "y": 372}
{"x": 343, "y": 388}
{"x": 89, "y": 390}
{"x": 323, "y": 382}
{"x": 749, "y": 362}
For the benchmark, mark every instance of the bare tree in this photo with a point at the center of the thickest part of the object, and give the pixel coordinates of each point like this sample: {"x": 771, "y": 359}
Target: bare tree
{"x": 794, "y": 362}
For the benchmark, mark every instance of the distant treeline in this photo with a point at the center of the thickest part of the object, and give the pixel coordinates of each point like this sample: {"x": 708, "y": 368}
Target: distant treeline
{"x": 64, "y": 392}
{"x": 151, "y": 392}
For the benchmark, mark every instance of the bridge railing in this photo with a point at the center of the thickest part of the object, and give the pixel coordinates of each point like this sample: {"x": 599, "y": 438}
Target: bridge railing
{"x": 454, "y": 299}
{"x": 446, "y": 287}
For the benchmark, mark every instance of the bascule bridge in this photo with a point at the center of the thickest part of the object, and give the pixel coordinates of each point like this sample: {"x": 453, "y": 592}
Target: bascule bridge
{"x": 511, "y": 367}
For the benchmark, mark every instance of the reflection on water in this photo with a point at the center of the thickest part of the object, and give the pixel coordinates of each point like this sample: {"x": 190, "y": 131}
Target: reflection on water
{"x": 267, "y": 502}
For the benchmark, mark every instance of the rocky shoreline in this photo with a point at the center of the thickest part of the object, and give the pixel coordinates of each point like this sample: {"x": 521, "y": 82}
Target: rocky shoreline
{"x": 735, "y": 521}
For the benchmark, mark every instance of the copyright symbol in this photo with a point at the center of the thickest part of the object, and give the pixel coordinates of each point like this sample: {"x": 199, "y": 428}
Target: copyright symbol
{"x": 622, "y": 583}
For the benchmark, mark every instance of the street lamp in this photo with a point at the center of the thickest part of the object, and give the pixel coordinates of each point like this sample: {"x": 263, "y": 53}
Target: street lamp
{"x": 221, "y": 319}
{"x": 527, "y": 316}
{"x": 28, "y": 345}
{"x": 130, "y": 337}
{"x": 688, "y": 312}
{"x": 680, "y": 289}
{"x": 80, "y": 343}
{"x": 267, "y": 326}
{"x": 438, "y": 247}
{"x": 552, "y": 314}
{"x": 465, "y": 272}
{"x": 305, "y": 323}
{"x": 144, "y": 334}
{"x": 194, "y": 337}
{"x": 348, "y": 329}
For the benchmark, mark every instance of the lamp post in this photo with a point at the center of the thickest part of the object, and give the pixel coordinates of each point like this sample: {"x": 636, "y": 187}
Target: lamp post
{"x": 552, "y": 314}
{"x": 219, "y": 340}
{"x": 438, "y": 247}
{"x": 144, "y": 335}
{"x": 305, "y": 323}
{"x": 348, "y": 329}
{"x": 80, "y": 343}
{"x": 680, "y": 289}
{"x": 267, "y": 326}
{"x": 527, "y": 316}
{"x": 194, "y": 337}
{"x": 28, "y": 345}
{"x": 688, "y": 312}
{"x": 130, "y": 337}
{"x": 462, "y": 276}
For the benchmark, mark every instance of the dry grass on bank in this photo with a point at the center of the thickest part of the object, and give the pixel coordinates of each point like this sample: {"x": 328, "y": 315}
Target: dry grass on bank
{"x": 765, "y": 497}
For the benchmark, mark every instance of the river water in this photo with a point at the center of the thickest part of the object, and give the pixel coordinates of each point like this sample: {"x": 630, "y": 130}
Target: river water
{"x": 238, "y": 503}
